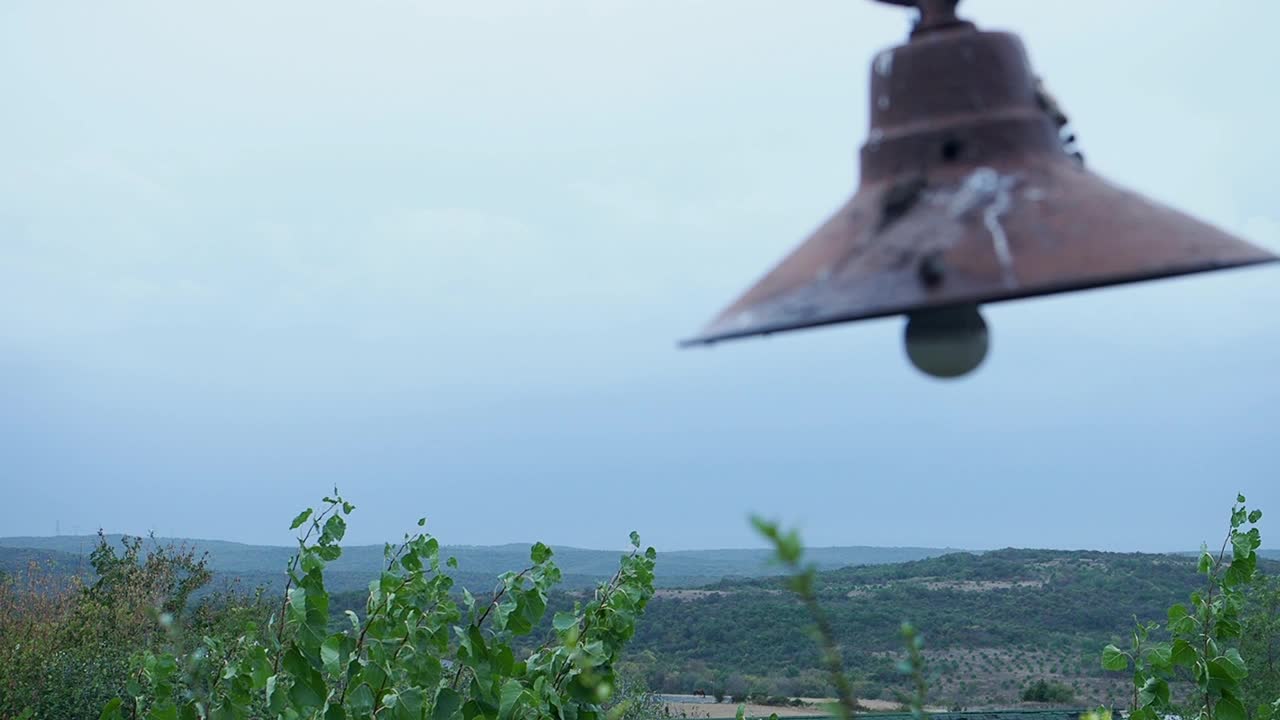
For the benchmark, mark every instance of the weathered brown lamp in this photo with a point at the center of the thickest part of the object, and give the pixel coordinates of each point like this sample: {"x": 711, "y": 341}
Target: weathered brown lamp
{"x": 971, "y": 192}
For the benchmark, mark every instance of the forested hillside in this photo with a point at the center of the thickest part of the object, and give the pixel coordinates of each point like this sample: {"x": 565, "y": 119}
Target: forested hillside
{"x": 15, "y": 560}
{"x": 994, "y": 623}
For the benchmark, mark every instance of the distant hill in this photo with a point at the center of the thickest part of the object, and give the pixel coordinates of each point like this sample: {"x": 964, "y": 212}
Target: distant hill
{"x": 253, "y": 565}
{"x": 1268, "y": 554}
{"x": 478, "y": 566}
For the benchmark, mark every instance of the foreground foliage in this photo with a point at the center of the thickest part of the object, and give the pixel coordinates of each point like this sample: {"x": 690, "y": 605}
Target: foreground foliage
{"x": 66, "y": 642}
{"x": 789, "y": 552}
{"x": 419, "y": 651}
{"x": 1203, "y": 638}
{"x": 143, "y": 630}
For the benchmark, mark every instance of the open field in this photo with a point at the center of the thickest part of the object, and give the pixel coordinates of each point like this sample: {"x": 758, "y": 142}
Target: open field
{"x": 692, "y": 706}
{"x": 728, "y": 710}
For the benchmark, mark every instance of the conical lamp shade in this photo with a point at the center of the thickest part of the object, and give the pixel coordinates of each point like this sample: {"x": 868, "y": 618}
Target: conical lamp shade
{"x": 968, "y": 196}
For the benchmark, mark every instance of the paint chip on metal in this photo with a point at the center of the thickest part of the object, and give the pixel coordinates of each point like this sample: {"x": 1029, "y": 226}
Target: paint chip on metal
{"x": 884, "y": 63}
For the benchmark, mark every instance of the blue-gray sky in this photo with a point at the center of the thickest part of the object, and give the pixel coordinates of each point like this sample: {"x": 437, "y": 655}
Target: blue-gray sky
{"x": 438, "y": 253}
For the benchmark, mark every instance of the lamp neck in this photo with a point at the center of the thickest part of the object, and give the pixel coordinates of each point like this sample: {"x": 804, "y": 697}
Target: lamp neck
{"x": 935, "y": 16}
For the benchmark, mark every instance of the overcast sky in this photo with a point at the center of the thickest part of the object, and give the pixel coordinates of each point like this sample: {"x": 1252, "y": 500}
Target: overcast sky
{"x": 438, "y": 253}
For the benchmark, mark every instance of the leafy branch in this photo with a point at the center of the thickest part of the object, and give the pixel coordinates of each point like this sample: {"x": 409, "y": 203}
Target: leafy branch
{"x": 1202, "y": 636}
{"x": 406, "y": 658}
{"x": 789, "y": 551}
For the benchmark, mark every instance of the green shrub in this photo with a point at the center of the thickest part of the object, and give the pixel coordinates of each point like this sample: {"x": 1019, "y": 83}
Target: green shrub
{"x": 66, "y": 646}
{"x": 1042, "y": 691}
{"x": 418, "y": 652}
{"x": 1205, "y": 637}
{"x": 1260, "y": 642}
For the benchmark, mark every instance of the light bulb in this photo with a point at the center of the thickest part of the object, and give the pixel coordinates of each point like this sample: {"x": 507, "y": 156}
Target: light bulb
{"x": 946, "y": 342}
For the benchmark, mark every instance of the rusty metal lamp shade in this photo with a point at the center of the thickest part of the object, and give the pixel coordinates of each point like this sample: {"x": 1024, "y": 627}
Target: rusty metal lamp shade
{"x": 971, "y": 192}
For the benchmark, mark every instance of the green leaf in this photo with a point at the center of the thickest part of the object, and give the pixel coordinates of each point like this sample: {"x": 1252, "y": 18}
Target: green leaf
{"x": 411, "y": 562}
{"x": 328, "y": 553}
{"x": 409, "y": 704}
{"x": 539, "y": 553}
{"x": 1184, "y": 625}
{"x": 447, "y": 704}
{"x": 509, "y": 699}
{"x": 1206, "y": 562}
{"x": 1239, "y": 498}
{"x": 1224, "y": 671}
{"x": 308, "y": 688}
{"x": 335, "y": 712}
{"x": 1237, "y": 665}
{"x": 298, "y": 604}
{"x": 479, "y": 648}
{"x": 1255, "y": 516}
{"x": 310, "y": 560}
{"x": 635, "y": 539}
{"x": 1182, "y": 653}
{"x": 503, "y": 659}
{"x": 1154, "y": 692}
{"x": 334, "y": 528}
{"x": 1113, "y": 658}
{"x": 163, "y": 711}
{"x": 1230, "y": 708}
{"x": 360, "y": 700}
{"x": 1241, "y": 547}
{"x": 1226, "y": 629}
{"x": 331, "y": 654}
{"x": 301, "y": 518}
{"x": 166, "y": 665}
{"x": 563, "y": 621}
{"x": 513, "y": 620}
{"x": 260, "y": 673}
{"x": 1160, "y": 657}
{"x": 306, "y": 693}
{"x": 111, "y": 711}
{"x": 273, "y": 698}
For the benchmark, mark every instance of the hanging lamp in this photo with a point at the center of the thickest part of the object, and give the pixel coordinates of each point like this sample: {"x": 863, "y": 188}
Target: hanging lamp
{"x": 972, "y": 191}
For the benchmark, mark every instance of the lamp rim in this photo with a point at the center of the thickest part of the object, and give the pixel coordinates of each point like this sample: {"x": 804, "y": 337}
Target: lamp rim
{"x": 765, "y": 329}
